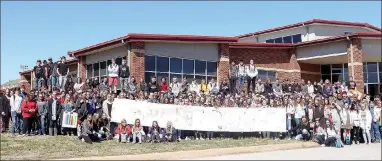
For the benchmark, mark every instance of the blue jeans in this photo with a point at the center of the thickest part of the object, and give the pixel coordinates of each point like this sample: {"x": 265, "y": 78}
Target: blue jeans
{"x": 61, "y": 82}
{"x": 124, "y": 82}
{"x": 297, "y": 120}
{"x": 241, "y": 83}
{"x": 37, "y": 82}
{"x": 17, "y": 122}
{"x": 375, "y": 130}
{"x": 41, "y": 122}
{"x": 54, "y": 81}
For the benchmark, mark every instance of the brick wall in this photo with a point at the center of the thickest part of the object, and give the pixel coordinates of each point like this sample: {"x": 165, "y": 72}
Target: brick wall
{"x": 311, "y": 72}
{"x": 357, "y": 62}
{"x": 137, "y": 60}
{"x": 223, "y": 64}
{"x": 25, "y": 82}
{"x": 82, "y": 67}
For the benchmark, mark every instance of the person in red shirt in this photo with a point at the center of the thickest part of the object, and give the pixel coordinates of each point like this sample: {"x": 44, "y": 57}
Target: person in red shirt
{"x": 163, "y": 85}
{"x": 29, "y": 109}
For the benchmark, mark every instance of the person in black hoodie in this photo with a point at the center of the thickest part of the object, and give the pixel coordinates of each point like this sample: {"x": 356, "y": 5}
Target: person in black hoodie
{"x": 69, "y": 85}
{"x": 5, "y": 109}
{"x": 302, "y": 130}
{"x": 54, "y": 109}
{"x": 153, "y": 85}
{"x": 224, "y": 87}
{"x": 124, "y": 74}
{"x": 95, "y": 82}
{"x": 82, "y": 110}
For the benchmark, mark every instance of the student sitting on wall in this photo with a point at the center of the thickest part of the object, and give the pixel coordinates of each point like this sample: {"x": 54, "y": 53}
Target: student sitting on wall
{"x": 123, "y": 132}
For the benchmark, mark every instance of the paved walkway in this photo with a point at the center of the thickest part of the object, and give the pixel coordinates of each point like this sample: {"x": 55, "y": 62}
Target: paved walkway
{"x": 354, "y": 152}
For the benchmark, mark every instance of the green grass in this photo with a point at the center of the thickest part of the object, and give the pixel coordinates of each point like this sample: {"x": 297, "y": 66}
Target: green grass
{"x": 48, "y": 147}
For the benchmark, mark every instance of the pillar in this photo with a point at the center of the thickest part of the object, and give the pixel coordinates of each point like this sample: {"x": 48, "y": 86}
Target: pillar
{"x": 223, "y": 64}
{"x": 82, "y": 68}
{"x": 137, "y": 60}
{"x": 355, "y": 62}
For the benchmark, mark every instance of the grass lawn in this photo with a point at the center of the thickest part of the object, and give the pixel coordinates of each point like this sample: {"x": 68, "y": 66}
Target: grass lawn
{"x": 48, "y": 147}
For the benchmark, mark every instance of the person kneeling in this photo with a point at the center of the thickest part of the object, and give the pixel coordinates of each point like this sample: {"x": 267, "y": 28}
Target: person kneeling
{"x": 123, "y": 132}
{"x": 303, "y": 130}
{"x": 87, "y": 134}
{"x": 170, "y": 132}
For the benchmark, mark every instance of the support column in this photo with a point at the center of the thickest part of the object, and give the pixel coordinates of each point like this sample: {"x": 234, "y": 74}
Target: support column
{"x": 25, "y": 83}
{"x": 137, "y": 58}
{"x": 355, "y": 62}
{"x": 82, "y": 67}
{"x": 223, "y": 64}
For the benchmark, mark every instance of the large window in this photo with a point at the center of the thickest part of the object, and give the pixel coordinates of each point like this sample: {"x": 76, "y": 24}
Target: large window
{"x": 334, "y": 72}
{"x": 286, "y": 39}
{"x": 164, "y": 67}
{"x": 371, "y": 72}
{"x": 264, "y": 75}
{"x": 99, "y": 69}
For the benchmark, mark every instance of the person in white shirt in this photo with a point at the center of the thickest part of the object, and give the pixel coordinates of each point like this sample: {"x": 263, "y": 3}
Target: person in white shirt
{"x": 175, "y": 86}
{"x": 79, "y": 85}
{"x": 356, "y": 118}
{"x": 194, "y": 87}
{"x": 299, "y": 110}
{"x": 113, "y": 70}
{"x": 310, "y": 89}
{"x": 17, "y": 119}
{"x": 213, "y": 87}
{"x": 251, "y": 72}
{"x": 346, "y": 121}
{"x": 365, "y": 123}
{"x": 241, "y": 75}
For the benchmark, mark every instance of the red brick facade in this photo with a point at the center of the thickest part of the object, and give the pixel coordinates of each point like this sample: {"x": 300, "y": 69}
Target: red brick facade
{"x": 355, "y": 50}
{"x": 82, "y": 67}
{"x": 223, "y": 64}
{"x": 25, "y": 82}
{"x": 137, "y": 60}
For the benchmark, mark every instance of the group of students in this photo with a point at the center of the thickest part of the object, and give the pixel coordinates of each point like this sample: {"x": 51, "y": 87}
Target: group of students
{"x": 319, "y": 111}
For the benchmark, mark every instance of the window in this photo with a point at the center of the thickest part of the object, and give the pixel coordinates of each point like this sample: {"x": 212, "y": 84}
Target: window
{"x": 211, "y": 68}
{"x": 265, "y": 75}
{"x": 372, "y": 67}
{"x": 188, "y": 66}
{"x": 279, "y": 40}
{"x": 337, "y": 68}
{"x": 148, "y": 76}
{"x": 175, "y": 65}
{"x": 296, "y": 38}
{"x": 89, "y": 70}
{"x": 103, "y": 70}
{"x": 162, "y": 75}
{"x": 200, "y": 67}
{"x": 287, "y": 39}
{"x": 270, "y": 41}
{"x": 325, "y": 69}
{"x": 162, "y": 64}
{"x": 371, "y": 74}
{"x": 96, "y": 69}
{"x": 149, "y": 63}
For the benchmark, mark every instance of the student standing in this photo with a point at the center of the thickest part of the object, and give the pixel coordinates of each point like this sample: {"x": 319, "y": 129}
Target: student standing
{"x": 29, "y": 109}
{"x": 124, "y": 74}
{"x": 251, "y": 76}
{"x": 42, "y": 110}
{"x": 38, "y": 75}
{"x": 17, "y": 119}
{"x": 241, "y": 75}
{"x": 54, "y": 108}
{"x": 233, "y": 74}
{"x": 113, "y": 70}
{"x": 62, "y": 71}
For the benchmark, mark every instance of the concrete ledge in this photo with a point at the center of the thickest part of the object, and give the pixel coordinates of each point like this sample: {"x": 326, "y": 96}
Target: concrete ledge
{"x": 205, "y": 153}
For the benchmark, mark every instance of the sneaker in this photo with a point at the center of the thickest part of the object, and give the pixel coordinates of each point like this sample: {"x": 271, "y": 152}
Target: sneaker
{"x": 83, "y": 140}
{"x": 277, "y": 139}
{"x": 201, "y": 138}
{"x": 322, "y": 145}
{"x": 197, "y": 138}
{"x": 357, "y": 142}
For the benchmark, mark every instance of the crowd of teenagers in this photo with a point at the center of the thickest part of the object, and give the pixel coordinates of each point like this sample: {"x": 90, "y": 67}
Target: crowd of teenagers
{"x": 331, "y": 114}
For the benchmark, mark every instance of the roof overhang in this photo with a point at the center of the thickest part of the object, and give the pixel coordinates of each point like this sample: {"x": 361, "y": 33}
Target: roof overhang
{"x": 260, "y": 45}
{"x": 314, "y": 21}
{"x": 134, "y": 37}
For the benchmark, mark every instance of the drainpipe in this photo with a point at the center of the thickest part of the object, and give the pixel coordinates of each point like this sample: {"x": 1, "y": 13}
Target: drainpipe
{"x": 351, "y": 56}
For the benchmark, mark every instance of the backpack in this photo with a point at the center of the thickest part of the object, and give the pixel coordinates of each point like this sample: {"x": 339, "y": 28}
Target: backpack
{"x": 347, "y": 140}
{"x": 338, "y": 143}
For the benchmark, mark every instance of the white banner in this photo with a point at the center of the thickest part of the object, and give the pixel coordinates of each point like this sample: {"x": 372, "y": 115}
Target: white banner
{"x": 200, "y": 118}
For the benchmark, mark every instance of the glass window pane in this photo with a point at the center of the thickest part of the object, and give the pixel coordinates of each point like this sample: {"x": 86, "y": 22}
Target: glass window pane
{"x": 365, "y": 77}
{"x": 262, "y": 74}
{"x": 200, "y": 67}
{"x": 346, "y": 69}
{"x": 162, "y": 75}
{"x": 148, "y": 76}
{"x": 325, "y": 77}
{"x": 199, "y": 78}
{"x": 364, "y": 67}
{"x": 212, "y": 68}
{"x": 346, "y": 76}
{"x": 372, "y": 77}
{"x": 272, "y": 76}
{"x": 162, "y": 64}
{"x": 210, "y": 77}
{"x": 296, "y": 38}
{"x": 270, "y": 41}
{"x": 287, "y": 39}
{"x": 372, "y": 67}
{"x": 336, "y": 68}
{"x": 175, "y": 65}
{"x": 149, "y": 63}
{"x": 118, "y": 61}
{"x": 89, "y": 70}
{"x": 336, "y": 77}
{"x": 188, "y": 66}
{"x": 96, "y": 69}
{"x": 325, "y": 69}
{"x": 380, "y": 78}
{"x": 178, "y": 76}
{"x": 380, "y": 66}
{"x": 279, "y": 40}
{"x": 103, "y": 68}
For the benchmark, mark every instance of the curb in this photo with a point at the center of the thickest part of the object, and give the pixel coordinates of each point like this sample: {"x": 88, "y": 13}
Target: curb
{"x": 205, "y": 153}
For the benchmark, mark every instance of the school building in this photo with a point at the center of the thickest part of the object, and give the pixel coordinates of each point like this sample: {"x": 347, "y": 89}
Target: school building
{"x": 311, "y": 50}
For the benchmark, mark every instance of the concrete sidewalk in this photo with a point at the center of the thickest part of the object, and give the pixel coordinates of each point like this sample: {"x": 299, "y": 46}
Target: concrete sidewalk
{"x": 205, "y": 153}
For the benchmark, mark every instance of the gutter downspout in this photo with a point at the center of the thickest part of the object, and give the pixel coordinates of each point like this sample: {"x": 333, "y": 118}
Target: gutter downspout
{"x": 351, "y": 56}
